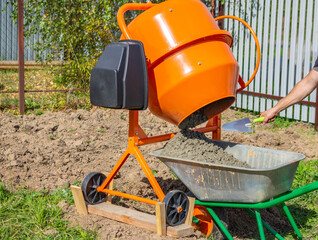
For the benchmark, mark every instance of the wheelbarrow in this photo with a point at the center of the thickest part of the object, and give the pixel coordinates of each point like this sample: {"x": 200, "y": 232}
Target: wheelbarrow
{"x": 264, "y": 185}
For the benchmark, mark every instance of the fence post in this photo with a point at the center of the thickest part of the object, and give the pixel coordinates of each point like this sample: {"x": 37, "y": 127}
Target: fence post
{"x": 316, "y": 111}
{"x": 213, "y": 7}
{"x": 221, "y": 13}
{"x": 21, "y": 56}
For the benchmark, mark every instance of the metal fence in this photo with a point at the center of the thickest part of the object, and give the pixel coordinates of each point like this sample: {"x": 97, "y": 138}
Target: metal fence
{"x": 288, "y": 34}
{"x": 9, "y": 37}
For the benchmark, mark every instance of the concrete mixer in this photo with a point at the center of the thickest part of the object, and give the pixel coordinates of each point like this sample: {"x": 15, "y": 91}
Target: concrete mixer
{"x": 174, "y": 59}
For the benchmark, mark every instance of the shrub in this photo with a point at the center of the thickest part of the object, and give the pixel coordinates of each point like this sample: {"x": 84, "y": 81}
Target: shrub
{"x": 76, "y": 31}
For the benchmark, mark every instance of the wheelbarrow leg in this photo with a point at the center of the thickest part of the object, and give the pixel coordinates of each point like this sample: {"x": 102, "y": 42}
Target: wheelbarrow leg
{"x": 220, "y": 224}
{"x": 291, "y": 220}
{"x": 260, "y": 226}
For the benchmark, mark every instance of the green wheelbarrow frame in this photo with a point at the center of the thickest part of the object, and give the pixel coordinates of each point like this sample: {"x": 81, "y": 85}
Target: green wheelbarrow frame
{"x": 257, "y": 206}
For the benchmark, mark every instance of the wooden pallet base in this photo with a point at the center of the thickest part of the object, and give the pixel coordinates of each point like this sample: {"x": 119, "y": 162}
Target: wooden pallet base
{"x": 136, "y": 218}
{"x": 143, "y": 220}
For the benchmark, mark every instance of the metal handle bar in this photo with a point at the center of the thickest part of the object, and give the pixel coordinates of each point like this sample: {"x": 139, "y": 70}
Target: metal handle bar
{"x": 125, "y": 8}
{"x": 241, "y": 82}
{"x": 279, "y": 199}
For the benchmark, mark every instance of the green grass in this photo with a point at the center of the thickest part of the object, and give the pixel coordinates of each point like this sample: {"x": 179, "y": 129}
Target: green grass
{"x": 37, "y": 103}
{"x": 27, "y": 214}
{"x": 305, "y": 208}
{"x": 281, "y": 122}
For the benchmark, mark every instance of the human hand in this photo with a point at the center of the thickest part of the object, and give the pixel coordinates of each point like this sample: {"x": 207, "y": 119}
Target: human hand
{"x": 269, "y": 115}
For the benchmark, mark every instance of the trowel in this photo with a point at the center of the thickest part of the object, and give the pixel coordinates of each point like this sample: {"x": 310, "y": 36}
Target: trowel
{"x": 242, "y": 125}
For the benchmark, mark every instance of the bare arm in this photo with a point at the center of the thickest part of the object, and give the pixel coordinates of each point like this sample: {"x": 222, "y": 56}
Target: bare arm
{"x": 298, "y": 93}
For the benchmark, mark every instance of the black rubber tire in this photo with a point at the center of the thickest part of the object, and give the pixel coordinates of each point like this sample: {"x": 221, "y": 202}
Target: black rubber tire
{"x": 177, "y": 207}
{"x": 89, "y": 188}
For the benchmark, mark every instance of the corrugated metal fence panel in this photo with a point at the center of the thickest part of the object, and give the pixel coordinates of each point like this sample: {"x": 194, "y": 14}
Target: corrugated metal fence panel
{"x": 288, "y": 34}
{"x": 314, "y": 50}
{"x": 287, "y": 26}
{"x": 8, "y": 32}
{"x": 9, "y": 37}
{"x": 279, "y": 51}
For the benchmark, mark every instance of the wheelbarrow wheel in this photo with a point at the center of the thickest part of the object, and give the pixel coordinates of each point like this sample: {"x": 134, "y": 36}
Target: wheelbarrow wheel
{"x": 177, "y": 206}
{"x": 89, "y": 188}
{"x": 204, "y": 222}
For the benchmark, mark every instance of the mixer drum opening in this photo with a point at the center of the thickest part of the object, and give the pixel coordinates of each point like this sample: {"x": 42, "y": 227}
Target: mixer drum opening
{"x": 204, "y": 114}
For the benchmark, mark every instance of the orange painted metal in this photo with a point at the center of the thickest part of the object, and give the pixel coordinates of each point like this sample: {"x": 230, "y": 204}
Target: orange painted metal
{"x": 190, "y": 80}
{"x": 149, "y": 140}
{"x": 134, "y": 141}
{"x": 258, "y": 49}
{"x": 205, "y": 224}
{"x": 215, "y": 123}
{"x": 148, "y": 172}
{"x": 125, "y": 195}
{"x": 190, "y": 64}
{"x": 168, "y": 25}
{"x": 134, "y": 150}
{"x": 125, "y": 8}
{"x": 114, "y": 171}
{"x": 155, "y": 139}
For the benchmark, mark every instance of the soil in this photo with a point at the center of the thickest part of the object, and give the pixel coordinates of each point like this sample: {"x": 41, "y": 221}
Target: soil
{"x": 56, "y": 149}
{"x": 191, "y": 145}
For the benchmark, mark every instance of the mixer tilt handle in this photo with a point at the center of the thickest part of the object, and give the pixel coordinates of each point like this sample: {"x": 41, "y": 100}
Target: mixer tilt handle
{"x": 127, "y": 7}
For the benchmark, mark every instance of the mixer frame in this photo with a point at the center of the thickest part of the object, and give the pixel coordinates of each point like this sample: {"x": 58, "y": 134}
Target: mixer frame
{"x": 136, "y": 138}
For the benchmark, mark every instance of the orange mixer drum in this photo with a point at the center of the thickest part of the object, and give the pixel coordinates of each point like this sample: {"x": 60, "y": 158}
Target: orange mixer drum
{"x": 192, "y": 72}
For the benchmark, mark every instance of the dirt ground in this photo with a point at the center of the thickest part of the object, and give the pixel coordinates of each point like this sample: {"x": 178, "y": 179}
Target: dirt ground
{"x": 57, "y": 149}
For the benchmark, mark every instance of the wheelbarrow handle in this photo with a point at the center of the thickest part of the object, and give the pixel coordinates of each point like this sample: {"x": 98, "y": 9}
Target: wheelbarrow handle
{"x": 240, "y": 81}
{"x": 292, "y": 194}
{"x": 125, "y": 8}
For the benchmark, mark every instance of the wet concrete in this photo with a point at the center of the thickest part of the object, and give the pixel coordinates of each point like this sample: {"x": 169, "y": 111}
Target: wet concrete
{"x": 188, "y": 144}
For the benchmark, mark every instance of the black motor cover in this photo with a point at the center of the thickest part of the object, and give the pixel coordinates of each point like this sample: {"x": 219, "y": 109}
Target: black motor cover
{"x": 120, "y": 79}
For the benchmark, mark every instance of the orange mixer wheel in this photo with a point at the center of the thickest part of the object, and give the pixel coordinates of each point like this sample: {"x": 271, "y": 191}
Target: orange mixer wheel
{"x": 205, "y": 224}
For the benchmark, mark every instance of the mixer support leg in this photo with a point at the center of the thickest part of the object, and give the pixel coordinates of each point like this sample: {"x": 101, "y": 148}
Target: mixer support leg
{"x": 147, "y": 171}
{"x": 115, "y": 170}
{"x": 215, "y": 121}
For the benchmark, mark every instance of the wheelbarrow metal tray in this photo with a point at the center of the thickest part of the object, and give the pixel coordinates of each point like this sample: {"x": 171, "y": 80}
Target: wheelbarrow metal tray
{"x": 272, "y": 173}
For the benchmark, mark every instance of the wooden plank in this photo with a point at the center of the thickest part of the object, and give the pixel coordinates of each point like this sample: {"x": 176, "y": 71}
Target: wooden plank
{"x": 161, "y": 219}
{"x": 188, "y": 220}
{"x": 29, "y": 63}
{"x": 79, "y": 200}
{"x": 136, "y": 218}
{"x": 110, "y": 187}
